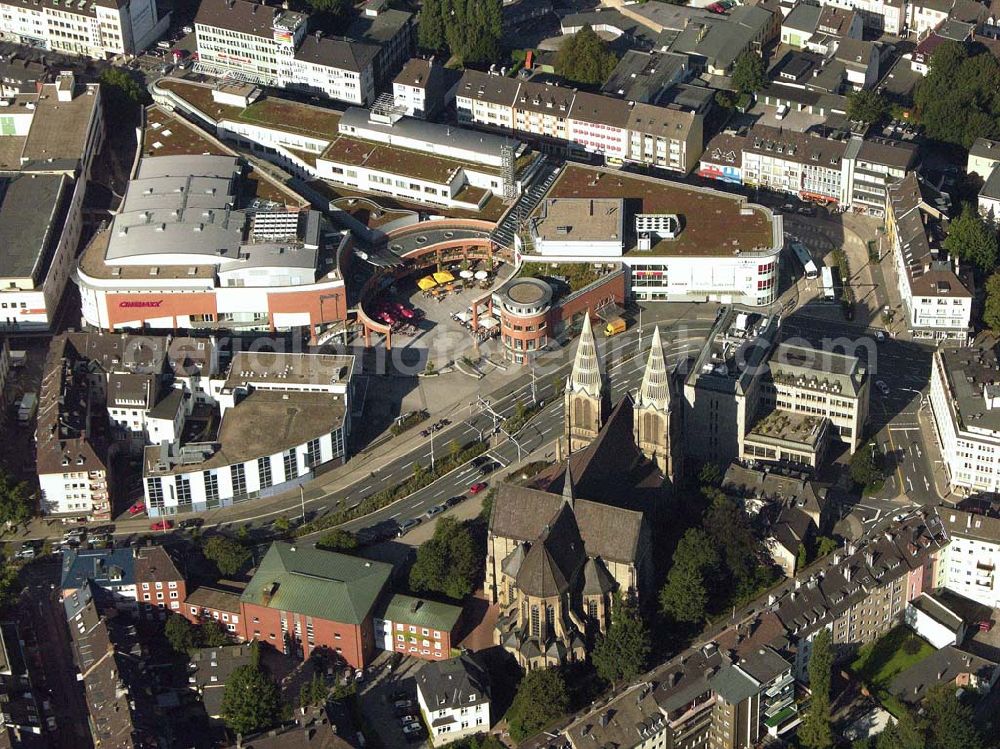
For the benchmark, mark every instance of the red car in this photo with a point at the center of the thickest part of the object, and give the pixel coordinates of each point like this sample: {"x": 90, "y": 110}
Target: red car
{"x": 477, "y": 487}
{"x": 137, "y": 507}
{"x": 162, "y": 525}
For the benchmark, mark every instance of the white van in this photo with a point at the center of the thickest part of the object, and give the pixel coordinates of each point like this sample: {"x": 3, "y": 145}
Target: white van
{"x": 781, "y": 111}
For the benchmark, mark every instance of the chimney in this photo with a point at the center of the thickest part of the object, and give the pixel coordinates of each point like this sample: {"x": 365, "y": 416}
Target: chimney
{"x": 268, "y": 593}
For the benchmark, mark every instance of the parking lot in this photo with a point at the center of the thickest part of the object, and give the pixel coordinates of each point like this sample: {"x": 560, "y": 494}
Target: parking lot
{"x": 390, "y": 697}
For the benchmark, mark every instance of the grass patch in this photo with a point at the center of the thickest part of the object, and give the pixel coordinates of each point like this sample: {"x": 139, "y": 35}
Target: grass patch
{"x": 879, "y": 662}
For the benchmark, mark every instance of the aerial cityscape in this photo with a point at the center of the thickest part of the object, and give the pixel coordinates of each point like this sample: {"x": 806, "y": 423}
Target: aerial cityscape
{"x": 500, "y": 374}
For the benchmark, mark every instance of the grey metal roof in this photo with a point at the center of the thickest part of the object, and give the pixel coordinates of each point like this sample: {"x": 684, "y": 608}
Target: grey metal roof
{"x": 804, "y": 17}
{"x": 431, "y": 133}
{"x": 31, "y": 211}
{"x": 733, "y": 685}
{"x": 991, "y": 187}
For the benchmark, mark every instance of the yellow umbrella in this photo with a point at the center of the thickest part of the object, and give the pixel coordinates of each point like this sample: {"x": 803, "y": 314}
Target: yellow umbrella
{"x": 443, "y": 276}
{"x": 426, "y": 283}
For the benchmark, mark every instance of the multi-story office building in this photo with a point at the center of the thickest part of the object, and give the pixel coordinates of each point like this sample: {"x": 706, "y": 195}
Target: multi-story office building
{"x": 965, "y": 401}
{"x": 872, "y": 165}
{"x": 968, "y": 565}
{"x": 272, "y": 46}
{"x": 935, "y": 293}
{"x": 48, "y": 142}
{"x": 796, "y": 163}
{"x": 93, "y": 28}
{"x": 678, "y": 242}
{"x": 563, "y": 119}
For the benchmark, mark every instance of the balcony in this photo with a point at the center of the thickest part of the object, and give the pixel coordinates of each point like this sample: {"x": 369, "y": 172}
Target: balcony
{"x": 780, "y": 685}
{"x": 779, "y": 704}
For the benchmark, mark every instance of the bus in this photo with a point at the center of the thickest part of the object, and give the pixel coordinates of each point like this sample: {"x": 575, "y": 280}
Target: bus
{"x": 829, "y": 293}
{"x": 805, "y": 260}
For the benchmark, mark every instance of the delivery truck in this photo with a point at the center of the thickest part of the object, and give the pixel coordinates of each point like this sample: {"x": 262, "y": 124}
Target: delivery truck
{"x": 614, "y": 326}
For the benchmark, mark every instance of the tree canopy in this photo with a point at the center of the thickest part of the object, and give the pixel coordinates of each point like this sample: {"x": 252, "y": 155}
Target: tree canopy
{"x": 14, "y": 507}
{"x": 621, "y": 654}
{"x": 991, "y": 309}
{"x": 866, "y": 466}
{"x": 684, "y": 597}
{"x": 950, "y": 721}
{"x": 448, "y": 563}
{"x": 540, "y": 699}
{"x": 431, "y": 29}
{"x": 251, "y": 701}
{"x": 816, "y": 731}
{"x": 866, "y": 106}
{"x": 959, "y": 99}
{"x": 123, "y": 95}
{"x": 338, "y": 540}
{"x": 228, "y": 555}
{"x": 748, "y": 73}
{"x": 972, "y": 240}
{"x": 180, "y": 634}
{"x": 585, "y": 58}
{"x": 472, "y": 29}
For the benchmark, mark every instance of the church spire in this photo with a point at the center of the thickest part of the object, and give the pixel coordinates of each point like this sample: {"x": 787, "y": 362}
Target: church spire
{"x": 655, "y": 389}
{"x": 588, "y": 370}
{"x": 568, "y": 494}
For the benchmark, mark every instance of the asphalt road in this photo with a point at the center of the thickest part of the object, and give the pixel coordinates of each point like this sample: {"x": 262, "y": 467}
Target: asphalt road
{"x": 682, "y": 339}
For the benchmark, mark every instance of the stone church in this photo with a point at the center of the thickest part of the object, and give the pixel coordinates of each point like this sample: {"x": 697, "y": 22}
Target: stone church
{"x": 559, "y": 549}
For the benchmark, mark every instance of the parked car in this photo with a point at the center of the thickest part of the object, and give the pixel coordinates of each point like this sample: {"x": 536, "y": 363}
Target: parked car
{"x": 413, "y": 731}
{"x": 407, "y": 525}
{"x": 883, "y": 388}
{"x": 452, "y": 501}
{"x": 410, "y": 718}
{"x": 879, "y": 335}
{"x": 477, "y": 487}
{"x": 27, "y": 551}
{"x": 402, "y": 706}
{"x": 191, "y": 523}
{"x": 807, "y": 210}
{"x": 400, "y": 695}
{"x": 188, "y": 30}
{"x": 435, "y": 510}
{"x": 162, "y": 525}
{"x": 137, "y": 507}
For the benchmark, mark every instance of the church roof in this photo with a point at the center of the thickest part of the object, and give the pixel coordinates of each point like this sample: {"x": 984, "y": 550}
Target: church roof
{"x": 607, "y": 531}
{"x": 588, "y": 369}
{"x": 655, "y": 388}
{"x": 596, "y": 578}
{"x": 512, "y": 563}
{"x": 552, "y": 563}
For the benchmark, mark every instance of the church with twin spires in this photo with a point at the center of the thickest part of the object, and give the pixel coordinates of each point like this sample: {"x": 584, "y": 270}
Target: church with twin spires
{"x": 561, "y": 548}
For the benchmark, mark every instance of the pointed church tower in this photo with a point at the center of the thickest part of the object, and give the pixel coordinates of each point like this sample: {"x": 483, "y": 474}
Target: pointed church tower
{"x": 654, "y": 417}
{"x": 587, "y": 396}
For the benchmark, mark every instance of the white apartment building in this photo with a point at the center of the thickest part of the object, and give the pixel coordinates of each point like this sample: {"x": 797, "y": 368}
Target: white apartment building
{"x": 420, "y": 88}
{"x": 796, "y": 163}
{"x": 565, "y": 120}
{"x": 681, "y": 252}
{"x": 99, "y": 29}
{"x": 888, "y": 16}
{"x": 305, "y": 397}
{"x": 52, "y": 138}
{"x": 965, "y": 401}
{"x": 937, "y": 299}
{"x": 270, "y": 46}
{"x": 454, "y": 698}
{"x": 968, "y": 565}
{"x": 984, "y": 156}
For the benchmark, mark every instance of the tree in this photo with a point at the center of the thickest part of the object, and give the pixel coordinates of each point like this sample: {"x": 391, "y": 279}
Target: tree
{"x": 956, "y": 102}
{"x": 826, "y": 545}
{"x": 430, "y": 31}
{"x": 14, "y": 507}
{"x": 621, "y": 654}
{"x": 866, "y": 106}
{"x": 10, "y": 588}
{"x": 313, "y": 692}
{"x": 991, "y": 309}
{"x": 228, "y": 554}
{"x": 904, "y": 733}
{"x": 710, "y": 475}
{"x": 180, "y": 633}
{"x": 123, "y": 95}
{"x": 473, "y": 28}
{"x": 748, "y": 73}
{"x": 816, "y": 731}
{"x": 802, "y": 558}
{"x": 282, "y": 525}
{"x": 540, "y": 699}
{"x": 333, "y": 8}
{"x": 972, "y": 240}
{"x": 251, "y": 701}
{"x": 585, "y": 58}
{"x": 738, "y": 548}
{"x": 684, "y": 597}
{"x": 338, "y": 540}
{"x": 866, "y": 466}
{"x": 448, "y": 563}
{"x": 950, "y": 721}
{"x": 211, "y": 634}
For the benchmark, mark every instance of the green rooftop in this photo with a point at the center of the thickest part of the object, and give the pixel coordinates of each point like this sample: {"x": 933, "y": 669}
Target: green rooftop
{"x": 321, "y": 584}
{"x": 421, "y": 613}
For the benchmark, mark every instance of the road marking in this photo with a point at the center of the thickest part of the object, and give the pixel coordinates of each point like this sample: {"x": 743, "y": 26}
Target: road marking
{"x": 903, "y": 429}
{"x": 393, "y": 517}
{"x": 365, "y": 488}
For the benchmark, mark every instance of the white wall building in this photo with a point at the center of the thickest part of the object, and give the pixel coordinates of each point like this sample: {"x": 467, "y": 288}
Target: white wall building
{"x": 984, "y": 156}
{"x": 966, "y": 408}
{"x": 55, "y": 136}
{"x": 968, "y": 565}
{"x": 882, "y": 15}
{"x": 938, "y": 301}
{"x": 93, "y": 28}
{"x": 934, "y": 621}
{"x": 454, "y": 698}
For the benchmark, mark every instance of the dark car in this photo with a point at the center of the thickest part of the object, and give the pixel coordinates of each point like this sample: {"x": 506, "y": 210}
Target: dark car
{"x": 191, "y": 523}
{"x": 807, "y": 210}
{"x": 407, "y": 525}
{"x": 452, "y": 501}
